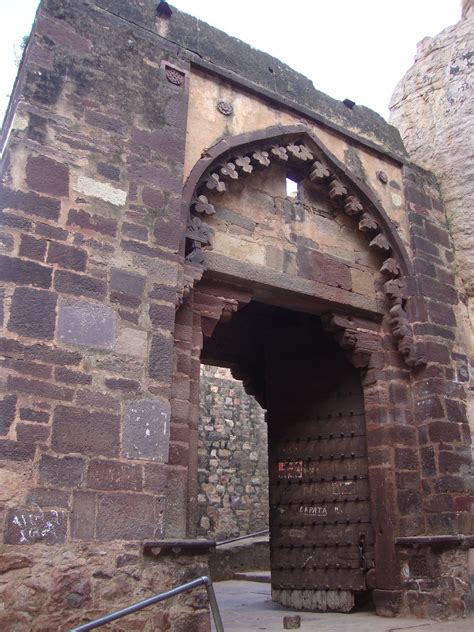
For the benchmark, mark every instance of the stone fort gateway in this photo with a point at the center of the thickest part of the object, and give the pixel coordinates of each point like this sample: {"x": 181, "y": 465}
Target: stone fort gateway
{"x": 177, "y": 207}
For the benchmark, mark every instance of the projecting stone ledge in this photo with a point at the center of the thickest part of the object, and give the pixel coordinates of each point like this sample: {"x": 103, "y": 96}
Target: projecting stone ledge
{"x": 178, "y": 547}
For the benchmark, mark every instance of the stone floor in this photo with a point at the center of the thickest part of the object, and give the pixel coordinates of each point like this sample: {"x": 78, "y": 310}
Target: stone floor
{"x": 246, "y": 607}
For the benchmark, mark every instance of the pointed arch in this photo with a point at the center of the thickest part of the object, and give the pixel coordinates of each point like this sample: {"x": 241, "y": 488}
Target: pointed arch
{"x": 237, "y": 157}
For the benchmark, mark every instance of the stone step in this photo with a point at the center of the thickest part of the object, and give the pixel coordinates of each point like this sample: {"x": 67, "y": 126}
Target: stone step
{"x": 254, "y": 576}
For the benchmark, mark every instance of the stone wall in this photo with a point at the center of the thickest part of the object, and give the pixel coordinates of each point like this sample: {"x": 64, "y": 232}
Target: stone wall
{"x": 233, "y": 459}
{"x": 433, "y": 107}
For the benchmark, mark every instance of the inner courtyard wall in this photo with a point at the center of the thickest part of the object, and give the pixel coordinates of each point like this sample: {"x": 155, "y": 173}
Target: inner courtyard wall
{"x": 233, "y": 458}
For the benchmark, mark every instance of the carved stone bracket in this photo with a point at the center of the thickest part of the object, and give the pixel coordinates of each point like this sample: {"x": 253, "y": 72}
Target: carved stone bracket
{"x": 311, "y": 162}
{"x": 357, "y": 346}
{"x": 217, "y": 303}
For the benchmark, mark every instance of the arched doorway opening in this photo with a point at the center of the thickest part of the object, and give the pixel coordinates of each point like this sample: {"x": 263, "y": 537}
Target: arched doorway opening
{"x": 321, "y": 536}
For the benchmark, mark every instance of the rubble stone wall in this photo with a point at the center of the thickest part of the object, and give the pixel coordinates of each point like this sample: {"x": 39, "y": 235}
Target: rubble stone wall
{"x": 233, "y": 458}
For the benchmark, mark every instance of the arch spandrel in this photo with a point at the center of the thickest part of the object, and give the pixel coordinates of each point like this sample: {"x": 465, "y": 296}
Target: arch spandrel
{"x": 298, "y": 153}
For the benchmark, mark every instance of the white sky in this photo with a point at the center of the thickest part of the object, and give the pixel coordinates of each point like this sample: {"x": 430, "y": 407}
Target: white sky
{"x": 357, "y": 49}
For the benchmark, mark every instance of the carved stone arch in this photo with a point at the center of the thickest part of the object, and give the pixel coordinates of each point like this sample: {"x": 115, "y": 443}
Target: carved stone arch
{"x": 239, "y": 156}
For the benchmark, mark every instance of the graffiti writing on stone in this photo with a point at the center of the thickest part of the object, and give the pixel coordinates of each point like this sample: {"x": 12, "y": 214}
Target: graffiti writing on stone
{"x": 28, "y": 527}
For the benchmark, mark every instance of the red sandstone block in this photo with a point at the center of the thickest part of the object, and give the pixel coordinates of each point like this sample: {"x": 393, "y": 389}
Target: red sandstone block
{"x": 21, "y": 272}
{"x": 450, "y": 483}
{"x": 163, "y": 293}
{"x": 67, "y": 256}
{"x": 79, "y": 430}
{"x": 62, "y": 34}
{"x": 7, "y": 413}
{"x": 11, "y": 220}
{"x": 127, "y": 283}
{"x": 437, "y": 291}
{"x": 122, "y": 384}
{"x": 135, "y": 231}
{"x": 33, "y": 313}
{"x": 456, "y": 411}
{"x": 168, "y": 233}
{"x": 96, "y": 223}
{"x": 61, "y": 472}
{"x": 408, "y": 480}
{"x": 108, "y": 171}
{"x": 39, "y": 416}
{"x": 61, "y": 374}
{"x": 83, "y": 515}
{"x": 125, "y": 300}
{"x": 128, "y": 516}
{"x": 179, "y": 454}
{"x": 160, "y": 362}
{"x": 143, "y": 170}
{"x": 409, "y": 501}
{"x": 162, "y": 316}
{"x": 41, "y": 389}
{"x": 439, "y": 503}
{"x": 428, "y": 461}
{"x": 153, "y": 198}
{"x": 32, "y": 433}
{"x": 437, "y": 234}
{"x": 406, "y": 459}
{"x": 40, "y": 352}
{"x": 32, "y": 248}
{"x": 463, "y": 503}
{"x": 29, "y": 368}
{"x": 114, "y": 475}
{"x": 107, "y": 123}
{"x": 30, "y": 203}
{"x": 44, "y": 498}
{"x": 140, "y": 248}
{"x": 47, "y": 176}
{"x": 452, "y": 462}
{"x": 51, "y": 232}
{"x": 16, "y": 451}
{"x": 129, "y": 316}
{"x": 428, "y": 408}
{"x": 443, "y": 431}
{"x": 79, "y": 284}
{"x": 155, "y": 478}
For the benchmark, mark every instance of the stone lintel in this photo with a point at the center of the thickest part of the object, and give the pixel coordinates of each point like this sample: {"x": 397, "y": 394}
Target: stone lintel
{"x": 286, "y": 290}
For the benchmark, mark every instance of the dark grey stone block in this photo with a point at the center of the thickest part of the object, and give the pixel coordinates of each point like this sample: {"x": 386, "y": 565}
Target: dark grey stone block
{"x": 146, "y": 430}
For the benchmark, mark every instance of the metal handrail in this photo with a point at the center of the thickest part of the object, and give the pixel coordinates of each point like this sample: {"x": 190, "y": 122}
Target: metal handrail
{"x": 243, "y": 537}
{"x": 118, "y": 614}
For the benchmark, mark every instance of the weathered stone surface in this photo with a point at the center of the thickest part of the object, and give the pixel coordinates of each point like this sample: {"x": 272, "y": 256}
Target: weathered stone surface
{"x": 76, "y": 430}
{"x": 433, "y": 108}
{"x": 63, "y": 472}
{"x": 47, "y": 176}
{"x": 7, "y": 413}
{"x": 146, "y": 430}
{"x": 28, "y": 302}
{"x": 132, "y": 342}
{"x": 102, "y": 190}
{"x": 128, "y": 516}
{"x": 86, "y": 324}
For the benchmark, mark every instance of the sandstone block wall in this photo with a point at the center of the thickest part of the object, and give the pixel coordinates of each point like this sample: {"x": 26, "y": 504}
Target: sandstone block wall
{"x": 233, "y": 458}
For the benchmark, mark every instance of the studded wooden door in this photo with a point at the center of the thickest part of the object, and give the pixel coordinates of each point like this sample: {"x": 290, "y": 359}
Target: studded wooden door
{"x": 321, "y": 534}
